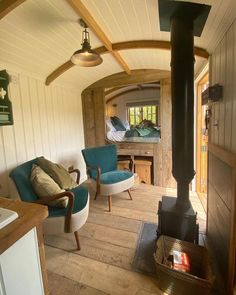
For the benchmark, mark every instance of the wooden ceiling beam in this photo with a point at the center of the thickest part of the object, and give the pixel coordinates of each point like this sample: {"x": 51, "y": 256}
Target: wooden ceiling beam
{"x": 141, "y": 44}
{"x": 130, "y": 90}
{"x": 121, "y": 62}
{"x": 140, "y": 86}
{"x": 109, "y": 91}
{"x": 83, "y": 12}
{"x": 137, "y": 76}
{"x": 157, "y": 44}
{"x": 165, "y": 45}
{"x": 59, "y": 71}
{"x": 7, "y": 6}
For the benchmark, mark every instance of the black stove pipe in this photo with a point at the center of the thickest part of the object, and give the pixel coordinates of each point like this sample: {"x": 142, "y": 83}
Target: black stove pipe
{"x": 182, "y": 79}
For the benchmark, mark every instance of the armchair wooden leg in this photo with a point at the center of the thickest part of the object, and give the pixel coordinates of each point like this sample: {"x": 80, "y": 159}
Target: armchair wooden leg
{"x": 76, "y": 233}
{"x": 96, "y": 194}
{"x": 129, "y": 194}
{"x": 109, "y": 203}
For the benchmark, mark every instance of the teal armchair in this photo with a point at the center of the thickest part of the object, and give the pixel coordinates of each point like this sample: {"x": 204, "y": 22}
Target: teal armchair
{"x": 101, "y": 163}
{"x": 69, "y": 219}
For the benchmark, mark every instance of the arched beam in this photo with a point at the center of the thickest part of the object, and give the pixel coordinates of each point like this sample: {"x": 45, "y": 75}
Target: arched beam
{"x": 59, "y": 71}
{"x": 112, "y": 90}
{"x": 158, "y": 44}
{"x": 140, "y": 86}
{"x": 136, "y": 77}
{"x": 7, "y": 6}
{"x": 67, "y": 65}
{"x": 130, "y": 90}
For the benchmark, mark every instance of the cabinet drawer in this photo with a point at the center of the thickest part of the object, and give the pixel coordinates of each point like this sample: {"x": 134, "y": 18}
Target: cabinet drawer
{"x": 135, "y": 146}
{"x": 133, "y": 152}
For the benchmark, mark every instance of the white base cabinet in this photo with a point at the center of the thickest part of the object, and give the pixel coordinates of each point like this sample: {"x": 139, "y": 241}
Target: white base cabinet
{"x": 20, "y": 269}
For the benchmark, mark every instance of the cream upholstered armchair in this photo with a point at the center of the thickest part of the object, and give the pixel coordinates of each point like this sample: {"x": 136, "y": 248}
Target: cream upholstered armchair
{"x": 66, "y": 219}
{"x": 101, "y": 163}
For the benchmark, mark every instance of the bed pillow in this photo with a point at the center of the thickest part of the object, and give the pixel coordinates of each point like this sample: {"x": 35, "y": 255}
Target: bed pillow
{"x": 126, "y": 124}
{"x": 117, "y": 123}
{"x": 45, "y": 186}
{"x": 110, "y": 127}
{"x": 58, "y": 173}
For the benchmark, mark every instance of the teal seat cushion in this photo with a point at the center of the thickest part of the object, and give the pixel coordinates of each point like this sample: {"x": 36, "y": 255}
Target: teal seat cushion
{"x": 104, "y": 157}
{"x": 81, "y": 199}
{"x": 114, "y": 176}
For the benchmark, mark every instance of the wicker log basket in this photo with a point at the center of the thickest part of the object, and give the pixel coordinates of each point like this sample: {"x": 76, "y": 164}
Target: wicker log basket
{"x": 171, "y": 281}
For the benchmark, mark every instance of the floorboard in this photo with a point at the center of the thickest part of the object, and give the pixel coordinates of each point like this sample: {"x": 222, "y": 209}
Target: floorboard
{"x": 108, "y": 242}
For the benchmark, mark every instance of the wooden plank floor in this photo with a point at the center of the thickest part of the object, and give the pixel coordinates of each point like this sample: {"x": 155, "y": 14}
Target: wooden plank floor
{"x": 108, "y": 242}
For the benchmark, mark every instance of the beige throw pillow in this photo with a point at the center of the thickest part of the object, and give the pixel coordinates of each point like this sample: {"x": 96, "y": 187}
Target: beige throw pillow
{"x": 58, "y": 173}
{"x": 45, "y": 186}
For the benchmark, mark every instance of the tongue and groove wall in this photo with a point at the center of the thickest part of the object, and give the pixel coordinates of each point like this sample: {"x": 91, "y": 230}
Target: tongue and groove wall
{"x": 47, "y": 122}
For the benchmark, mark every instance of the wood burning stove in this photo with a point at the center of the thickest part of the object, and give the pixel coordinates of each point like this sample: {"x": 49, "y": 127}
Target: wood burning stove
{"x": 177, "y": 223}
{"x": 176, "y": 216}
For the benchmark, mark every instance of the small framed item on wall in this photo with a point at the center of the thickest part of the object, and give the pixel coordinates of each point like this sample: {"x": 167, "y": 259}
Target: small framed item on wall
{"x": 6, "y": 115}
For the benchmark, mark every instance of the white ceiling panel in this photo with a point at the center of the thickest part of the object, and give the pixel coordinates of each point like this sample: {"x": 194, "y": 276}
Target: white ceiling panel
{"x": 147, "y": 58}
{"x": 124, "y": 20}
{"x": 39, "y": 36}
{"x": 154, "y": 59}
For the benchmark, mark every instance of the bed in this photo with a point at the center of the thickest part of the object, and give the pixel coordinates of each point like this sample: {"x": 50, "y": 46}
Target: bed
{"x": 119, "y": 131}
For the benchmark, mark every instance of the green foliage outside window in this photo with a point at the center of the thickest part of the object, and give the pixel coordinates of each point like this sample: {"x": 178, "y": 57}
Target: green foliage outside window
{"x": 138, "y": 114}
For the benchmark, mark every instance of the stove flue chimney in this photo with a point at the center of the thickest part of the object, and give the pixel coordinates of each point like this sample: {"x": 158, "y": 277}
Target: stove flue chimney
{"x": 183, "y": 20}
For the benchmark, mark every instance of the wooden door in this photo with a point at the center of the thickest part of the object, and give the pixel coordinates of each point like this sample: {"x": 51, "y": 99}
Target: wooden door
{"x": 202, "y": 141}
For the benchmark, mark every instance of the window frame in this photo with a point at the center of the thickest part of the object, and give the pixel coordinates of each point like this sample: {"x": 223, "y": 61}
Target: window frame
{"x": 139, "y": 112}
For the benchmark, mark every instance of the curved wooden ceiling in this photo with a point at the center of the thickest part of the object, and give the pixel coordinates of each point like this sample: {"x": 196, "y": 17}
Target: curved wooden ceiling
{"x": 89, "y": 11}
{"x": 136, "y": 77}
{"x": 136, "y": 88}
{"x": 8, "y": 5}
{"x": 165, "y": 45}
{"x": 83, "y": 12}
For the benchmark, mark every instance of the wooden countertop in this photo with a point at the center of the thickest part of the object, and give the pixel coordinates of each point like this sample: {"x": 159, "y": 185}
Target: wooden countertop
{"x": 30, "y": 215}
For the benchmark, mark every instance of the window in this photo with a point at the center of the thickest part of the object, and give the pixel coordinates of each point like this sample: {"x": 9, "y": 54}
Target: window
{"x": 136, "y": 114}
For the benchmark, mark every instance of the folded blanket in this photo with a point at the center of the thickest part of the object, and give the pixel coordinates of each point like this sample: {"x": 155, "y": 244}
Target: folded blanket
{"x": 142, "y": 132}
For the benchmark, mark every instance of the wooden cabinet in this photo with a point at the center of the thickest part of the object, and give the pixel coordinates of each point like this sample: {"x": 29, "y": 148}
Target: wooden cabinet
{"x": 22, "y": 257}
{"x": 139, "y": 152}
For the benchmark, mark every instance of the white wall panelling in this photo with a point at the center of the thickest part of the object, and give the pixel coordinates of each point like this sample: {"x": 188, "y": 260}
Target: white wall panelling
{"x": 47, "y": 121}
{"x": 223, "y": 71}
